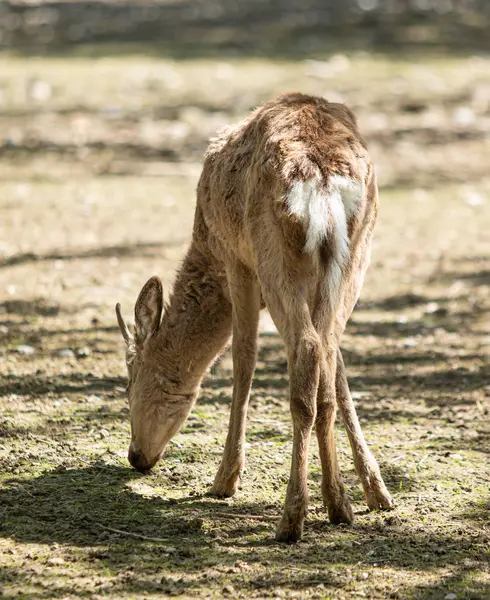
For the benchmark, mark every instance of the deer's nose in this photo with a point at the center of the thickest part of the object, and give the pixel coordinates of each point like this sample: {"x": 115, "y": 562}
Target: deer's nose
{"x": 139, "y": 462}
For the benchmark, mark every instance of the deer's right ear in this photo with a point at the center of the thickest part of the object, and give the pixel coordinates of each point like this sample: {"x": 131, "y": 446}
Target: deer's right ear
{"x": 148, "y": 309}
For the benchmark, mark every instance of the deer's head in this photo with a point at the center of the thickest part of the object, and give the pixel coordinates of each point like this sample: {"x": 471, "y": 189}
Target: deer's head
{"x": 156, "y": 407}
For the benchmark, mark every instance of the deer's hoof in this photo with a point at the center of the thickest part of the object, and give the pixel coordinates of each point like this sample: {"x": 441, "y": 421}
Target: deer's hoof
{"x": 341, "y": 513}
{"x": 288, "y": 530}
{"x": 223, "y": 489}
{"x": 379, "y": 499}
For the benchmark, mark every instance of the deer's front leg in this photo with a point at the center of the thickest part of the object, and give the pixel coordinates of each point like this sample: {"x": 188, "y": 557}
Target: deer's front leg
{"x": 245, "y": 298}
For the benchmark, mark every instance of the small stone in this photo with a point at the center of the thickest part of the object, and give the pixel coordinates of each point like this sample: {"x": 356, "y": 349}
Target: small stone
{"x": 450, "y": 597}
{"x": 65, "y": 353}
{"x": 358, "y": 395}
{"x": 93, "y": 398}
{"x": 228, "y": 590}
{"x": 473, "y": 198}
{"x": 57, "y": 560}
{"x": 103, "y": 433}
{"x": 25, "y": 349}
{"x": 434, "y": 309}
{"x": 38, "y": 90}
{"x": 410, "y": 343}
{"x": 83, "y": 352}
{"x": 456, "y": 456}
{"x": 463, "y": 116}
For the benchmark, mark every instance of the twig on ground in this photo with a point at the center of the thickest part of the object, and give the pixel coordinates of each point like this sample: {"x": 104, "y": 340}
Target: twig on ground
{"x": 306, "y": 571}
{"x": 131, "y": 534}
{"x": 461, "y": 525}
{"x": 228, "y": 515}
{"x": 397, "y": 458}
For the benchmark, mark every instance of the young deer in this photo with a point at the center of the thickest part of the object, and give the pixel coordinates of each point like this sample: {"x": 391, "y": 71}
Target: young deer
{"x": 286, "y": 205}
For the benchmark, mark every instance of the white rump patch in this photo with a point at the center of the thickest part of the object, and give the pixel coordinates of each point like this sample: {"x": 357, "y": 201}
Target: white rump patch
{"x": 324, "y": 210}
{"x": 350, "y": 190}
{"x": 307, "y": 201}
{"x": 326, "y": 213}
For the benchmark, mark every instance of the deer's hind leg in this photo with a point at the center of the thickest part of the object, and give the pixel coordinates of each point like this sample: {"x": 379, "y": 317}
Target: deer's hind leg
{"x": 283, "y": 293}
{"x": 333, "y": 492}
{"x": 377, "y": 496}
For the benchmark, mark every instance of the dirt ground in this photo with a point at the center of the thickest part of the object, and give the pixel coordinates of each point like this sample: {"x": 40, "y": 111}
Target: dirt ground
{"x": 99, "y": 162}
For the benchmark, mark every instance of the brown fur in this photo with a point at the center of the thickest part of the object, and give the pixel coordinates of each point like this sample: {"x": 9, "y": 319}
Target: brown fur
{"x": 247, "y": 252}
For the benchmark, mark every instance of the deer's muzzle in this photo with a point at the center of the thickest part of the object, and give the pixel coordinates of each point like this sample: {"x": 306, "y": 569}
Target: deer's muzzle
{"x": 140, "y": 462}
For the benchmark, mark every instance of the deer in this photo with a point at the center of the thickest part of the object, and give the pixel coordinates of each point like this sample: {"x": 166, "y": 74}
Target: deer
{"x": 286, "y": 205}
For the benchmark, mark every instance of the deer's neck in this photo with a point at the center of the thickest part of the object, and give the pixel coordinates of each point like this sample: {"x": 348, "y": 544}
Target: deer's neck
{"x": 196, "y": 326}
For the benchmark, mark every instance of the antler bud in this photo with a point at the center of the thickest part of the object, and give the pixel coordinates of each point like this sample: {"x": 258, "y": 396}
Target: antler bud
{"x": 122, "y": 325}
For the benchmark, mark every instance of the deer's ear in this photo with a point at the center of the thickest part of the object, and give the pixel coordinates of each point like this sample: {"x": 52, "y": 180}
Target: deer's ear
{"x": 148, "y": 309}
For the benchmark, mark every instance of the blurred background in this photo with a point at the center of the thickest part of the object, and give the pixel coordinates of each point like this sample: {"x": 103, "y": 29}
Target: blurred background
{"x": 106, "y": 108}
{"x": 100, "y": 98}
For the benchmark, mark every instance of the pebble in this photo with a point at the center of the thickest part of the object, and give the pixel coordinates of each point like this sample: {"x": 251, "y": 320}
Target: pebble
{"x": 83, "y": 352}
{"x": 66, "y": 353}
{"x": 463, "y": 116}
{"x": 25, "y": 349}
{"x": 434, "y": 309}
{"x": 456, "y": 456}
{"x": 410, "y": 343}
{"x": 450, "y": 597}
{"x": 473, "y": 198}
{"x": 38, "y": 90}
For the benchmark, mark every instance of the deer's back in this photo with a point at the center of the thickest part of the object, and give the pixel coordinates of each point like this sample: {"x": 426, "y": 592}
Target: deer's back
{"x": 250, "y": 167}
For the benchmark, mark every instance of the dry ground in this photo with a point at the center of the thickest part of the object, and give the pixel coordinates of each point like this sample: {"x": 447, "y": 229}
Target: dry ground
{"x": 100, "y": 158}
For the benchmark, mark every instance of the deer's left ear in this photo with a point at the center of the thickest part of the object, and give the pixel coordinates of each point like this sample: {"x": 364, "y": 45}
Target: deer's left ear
{"x": 148, "y": 309}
